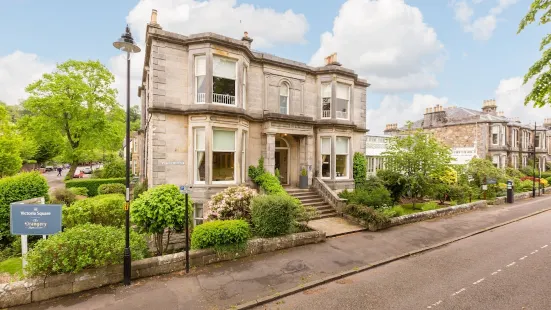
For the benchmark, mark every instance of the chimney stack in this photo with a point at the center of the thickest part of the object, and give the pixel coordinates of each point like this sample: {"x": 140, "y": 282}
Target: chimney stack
{"x": 153, "y": 20}
{"x": 331, "y": 60}
{"x": 489, "y": 106}
{"x": 248, "y": 41}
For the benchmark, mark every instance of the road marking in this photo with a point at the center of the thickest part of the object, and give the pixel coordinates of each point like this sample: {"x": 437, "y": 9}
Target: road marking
{"x": 536, "y": 251}
{"x": 434, "y": 304}
{"x": 523, "y": 257}
{"x": 494, "y": 273}
{"x": 475, "y": 283}
{"x": 511, "y": 264}
{"x": 459, "y": 292}
{"x": 543, "y": 247}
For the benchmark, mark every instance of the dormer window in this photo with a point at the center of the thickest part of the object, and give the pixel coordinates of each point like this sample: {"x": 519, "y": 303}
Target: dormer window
{"x": 284, "y": 98}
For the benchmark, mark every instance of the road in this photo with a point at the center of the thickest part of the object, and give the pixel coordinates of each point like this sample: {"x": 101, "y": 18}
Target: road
{"x": 55, "y": 181}
{"x": 505, "y": 268}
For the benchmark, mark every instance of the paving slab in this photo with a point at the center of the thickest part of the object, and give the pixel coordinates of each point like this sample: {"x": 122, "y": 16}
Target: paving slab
{"x": 334, "y": 226}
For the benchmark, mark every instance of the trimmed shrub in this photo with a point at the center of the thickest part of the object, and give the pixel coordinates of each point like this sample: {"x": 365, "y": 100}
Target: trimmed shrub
{"x": 112, "y": 188}
{"x": 255, "y": 172}
{"x": 370, "y": 194}
{"x": 270, "y": 184}
{"x": 460, "y": 193}
{"x": 17, "y": 188}
{"x": 161, "y": 209}
{"x": 371, "y": 216}
{"x": 80, "y": 191}
{"x": 92, "y": 184}
{"x": 82, "y": 247}
{"x": 107, "y": 210}
{"x": 273, "y": 215}
{"x": 63, "y": 196}
{"x": 359, "y": 168}
{"x": 220, "y": 234}
{"x": 115, "y": 168}
{"x": 98, "y": 174}
{"x": 233, "y": 203}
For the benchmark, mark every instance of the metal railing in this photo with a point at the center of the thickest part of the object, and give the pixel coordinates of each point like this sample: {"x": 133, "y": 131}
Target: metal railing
{"x": 223, "y": 99}
{"x": 326, "y": 113}
{"x": 201, "y": 97}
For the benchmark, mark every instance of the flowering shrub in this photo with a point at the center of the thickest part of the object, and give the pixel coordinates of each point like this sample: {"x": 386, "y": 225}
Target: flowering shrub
{"x": 233, "y": 203}
{"x": 543, "y": 182}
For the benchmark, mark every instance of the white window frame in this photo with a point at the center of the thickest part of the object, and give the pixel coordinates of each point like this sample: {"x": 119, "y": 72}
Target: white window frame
{"x": 197, "y": 206}
{"x": 515, "y": 138}
{"x": 347, "y": 158}
{"x": 496, "y": 160}
{"x": 244, "y": 140}
{"x": 497, "y": 129}
{"x": 195, "y": 153}
{"x": 236, "y": 85}
{"x": 347, "y": 102}
{"x": 244, "y": 87}
{"x": 331, "y": 168}
{"x": 195, "y": 91}
{"x": 286, "y": 85}
{"x": 234, "y": 181}
{"x": 330, "y": 99}
{"x": 515, "y": 162}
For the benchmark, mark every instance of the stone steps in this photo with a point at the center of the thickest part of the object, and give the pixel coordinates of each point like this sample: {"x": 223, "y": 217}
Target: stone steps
{"x": 310, "y": 198}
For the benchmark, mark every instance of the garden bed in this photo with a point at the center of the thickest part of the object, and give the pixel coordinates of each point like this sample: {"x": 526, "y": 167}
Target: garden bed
{"x": 43, "y": 288}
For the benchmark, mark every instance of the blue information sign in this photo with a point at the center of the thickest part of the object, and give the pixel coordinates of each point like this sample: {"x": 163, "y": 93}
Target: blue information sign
{"x": 35, "y": 219}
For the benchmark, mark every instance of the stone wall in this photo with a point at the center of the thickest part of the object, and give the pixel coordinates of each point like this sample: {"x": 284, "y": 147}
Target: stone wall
{"x": 463, "y": 135}
{"x": 43, "y": 288}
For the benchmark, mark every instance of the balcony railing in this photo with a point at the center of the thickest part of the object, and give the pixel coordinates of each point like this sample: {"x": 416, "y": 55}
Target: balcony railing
{"x": 223, "y": 99}
{"x": 283, "y": 110}
{"x": 201, "y": 97}
{"x": 342, "y": 114}
{"x": 326, "y": 113}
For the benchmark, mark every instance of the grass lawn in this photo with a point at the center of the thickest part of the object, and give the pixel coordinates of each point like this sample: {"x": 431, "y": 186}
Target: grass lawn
{"x": 13, "y": 266}
{"x": 407, "y": 208}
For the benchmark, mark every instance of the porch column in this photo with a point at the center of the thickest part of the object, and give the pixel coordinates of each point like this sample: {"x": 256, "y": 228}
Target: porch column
{"x": 310, "y": 155}
{"x": 269, "y": 161}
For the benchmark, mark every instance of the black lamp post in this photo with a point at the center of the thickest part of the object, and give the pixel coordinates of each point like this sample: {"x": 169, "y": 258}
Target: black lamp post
{"x": 126, "y": 44}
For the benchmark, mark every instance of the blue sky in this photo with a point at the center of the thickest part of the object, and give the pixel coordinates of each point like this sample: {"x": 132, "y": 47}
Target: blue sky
{"x": 467, "y": 70}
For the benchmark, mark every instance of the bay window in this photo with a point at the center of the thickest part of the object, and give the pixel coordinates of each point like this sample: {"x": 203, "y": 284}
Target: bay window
{"x": 223, "y": 156}
{"x": 495, "y": 135}
{"x": 244, "y": 87}
{"x": 199, "y": 150}
{"x": 198, "y": 214}
{"x": 200, "y": 74}
{"x": 223, "y": 80}
{"x": 341, "y": 153}
{"x": 326, "y": 100}
{"x": 343, "y": 101}
{"x": 284, "y": 98}
{"x": 243, "y": 156}
{"x": 326, "y": 157}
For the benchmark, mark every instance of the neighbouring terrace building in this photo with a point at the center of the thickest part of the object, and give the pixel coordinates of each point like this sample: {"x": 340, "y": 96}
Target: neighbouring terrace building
{"x": 484, "y": 134}
{"x": 212, "y": 107}
{"x": 375, "y": 146}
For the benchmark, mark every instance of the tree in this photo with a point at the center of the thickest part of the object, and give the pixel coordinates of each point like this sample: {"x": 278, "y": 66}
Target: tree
{"x": 539, "y": 94}
{"x": 418, "y": 157}
{"x": 359, "y": 168}
{"x": 76, "y": 102}
{"x": 10, "y": 145}
{"x": 480, "y": 169}
{"x": 135, "y": 118}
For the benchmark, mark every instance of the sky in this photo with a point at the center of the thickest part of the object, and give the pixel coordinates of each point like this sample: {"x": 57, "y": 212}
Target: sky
{"x": 415, "y": 53}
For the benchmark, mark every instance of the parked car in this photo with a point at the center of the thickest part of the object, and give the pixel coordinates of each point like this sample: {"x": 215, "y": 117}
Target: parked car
{"x": 78, "y": 174}
{"x": 87, "y": 170}
{"x": 49, "y": 168}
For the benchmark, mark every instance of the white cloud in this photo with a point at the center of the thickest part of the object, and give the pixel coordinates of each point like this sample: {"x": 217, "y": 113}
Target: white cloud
{"x": 266, "y": 26}
{"x": 510, "y": 95}
{"x": 17, "y": 70}
{"x": 385, "y": 41}
{"x": 394, "y": 109}
{"x": 483, "y": 27}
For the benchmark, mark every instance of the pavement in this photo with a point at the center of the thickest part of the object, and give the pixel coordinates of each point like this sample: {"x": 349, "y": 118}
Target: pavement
{"x": 225, "y": 285}
{"x": 334, "y": 226}
{"x": 505, "y": 268}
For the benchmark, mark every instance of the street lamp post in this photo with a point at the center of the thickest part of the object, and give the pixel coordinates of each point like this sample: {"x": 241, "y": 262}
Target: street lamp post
{"x": 126, "y": 44}
{"x": 534, "y": 164}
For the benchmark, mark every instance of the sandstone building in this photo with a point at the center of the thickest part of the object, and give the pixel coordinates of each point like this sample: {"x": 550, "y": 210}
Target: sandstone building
{"x": 212, "y": 107}
{"x": 484, "y": 134}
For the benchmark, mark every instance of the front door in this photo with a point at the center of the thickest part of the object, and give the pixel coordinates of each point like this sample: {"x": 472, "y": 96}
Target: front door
{"x": 282, "y": 164}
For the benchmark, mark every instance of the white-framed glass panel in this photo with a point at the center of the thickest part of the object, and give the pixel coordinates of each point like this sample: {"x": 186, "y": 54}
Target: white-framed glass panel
{"x": 244, "y": 87}
{"x": 243, "y": 156}
{"x": 342, "y": 106}
{"x": 284, "y": 98}
{"x": 197, "y": 214}
{"x": 325, "y": 157}
{"x": 200, "y": 75}
{"x": 495, "y": 135}
{"x": 341, "y": 153}
{"x": 515, "y": 138}
{"x": 223, "y": 156}
{"x": 524, "y": 160}
{"x": 199, "y": 152}
{"x": 326, "y": 100}
{"x": 502, "y": 134}
{"x": 495, "y": 160}
{"x": 537, "y": 142}
{"x": 224, "y": 80}
{"x": 514, "y": 161}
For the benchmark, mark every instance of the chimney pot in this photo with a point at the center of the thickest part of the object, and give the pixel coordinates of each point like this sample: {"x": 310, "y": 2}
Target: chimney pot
{"x": 246, "y": 39}
{"x": 153, "y": 17}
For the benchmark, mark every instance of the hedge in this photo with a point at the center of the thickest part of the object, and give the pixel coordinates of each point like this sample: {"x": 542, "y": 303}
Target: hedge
{"x": 112, "y": 188}
{"x": 106, "y": 210}
{"x": 92, "y": 184}
{"x": 220, "y": 234}
{"x": 273, "y": 215}
{"x": 17, "y": 188}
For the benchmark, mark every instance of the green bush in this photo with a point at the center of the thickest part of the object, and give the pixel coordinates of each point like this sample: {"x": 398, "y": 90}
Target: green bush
{"x": 359, "y": 168}
{"x": 140, "y": 188}
{"x": 115, "y": 168}
{"x": 98, "y": 174}
{"x": 273, "y": 215}
{"x": 158, "y": 209}
{"x": 80, "y": 191}
{"x": 82, "y": 247}
{"x": 526, "y": 185}
{"x": 371, "y": 216}
{"x": 107, "y": 210}
{"x": 460, "y": 193}
{"x": 270, "y": 184}
{"x": 220, "y": 234}
{"x": 394, "y": 182}
{"x": 372, "y": 196}
{"x": 440, "y": 191}
{"x": 63, "y": 196}
{"x": 17, "y": 188}
{"x": 92, "y": 184}
{"x": 255, "y": 172}
{"x": 112, "y": 188}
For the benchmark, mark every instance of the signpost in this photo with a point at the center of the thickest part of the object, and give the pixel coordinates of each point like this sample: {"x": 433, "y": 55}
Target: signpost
{"x": 34, "y": 220}
{"x": 491, "y": 181}
{"x": 185, "y": 190}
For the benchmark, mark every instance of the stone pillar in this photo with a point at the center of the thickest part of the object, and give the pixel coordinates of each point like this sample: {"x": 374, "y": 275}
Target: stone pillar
{"x": 269, "y": 161}
{"x": 208, "y": 78}
{"x": 333, "y": 98}
{"x": 333, "y": 157}
{"x": 310, "y": 155}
